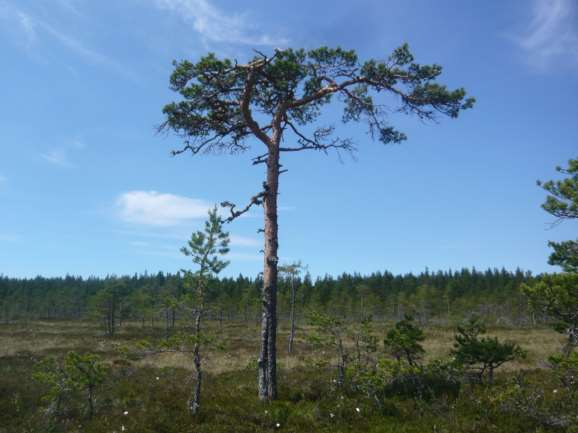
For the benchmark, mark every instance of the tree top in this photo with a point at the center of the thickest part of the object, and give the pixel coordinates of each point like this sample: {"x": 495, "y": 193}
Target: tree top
{"x": 223, "y": 102}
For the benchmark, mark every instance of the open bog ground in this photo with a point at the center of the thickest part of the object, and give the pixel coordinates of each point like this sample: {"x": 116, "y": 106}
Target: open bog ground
{"x": 148, "y": 392}
{"x": 238, "y": 343}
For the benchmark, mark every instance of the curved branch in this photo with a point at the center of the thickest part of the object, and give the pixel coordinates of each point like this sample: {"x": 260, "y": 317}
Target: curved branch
{"x": 256, "y": 200}
{"x": 246, "y": 109}
{"x": 316, "y": 143}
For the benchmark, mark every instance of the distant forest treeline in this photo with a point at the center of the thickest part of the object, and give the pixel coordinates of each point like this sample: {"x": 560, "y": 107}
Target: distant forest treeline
{"x": 440, "y": 297}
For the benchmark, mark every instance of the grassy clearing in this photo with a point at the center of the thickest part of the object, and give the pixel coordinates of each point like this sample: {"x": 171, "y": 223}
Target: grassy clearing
{"x": 240, "y": 342}
{"x": 154, "y": 390}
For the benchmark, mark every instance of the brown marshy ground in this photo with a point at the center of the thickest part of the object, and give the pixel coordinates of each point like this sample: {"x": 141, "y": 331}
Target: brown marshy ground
{"x": 239, "y": 343}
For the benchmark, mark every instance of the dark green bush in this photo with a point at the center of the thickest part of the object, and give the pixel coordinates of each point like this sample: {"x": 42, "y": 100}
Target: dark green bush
{"x": 429, "y": 382}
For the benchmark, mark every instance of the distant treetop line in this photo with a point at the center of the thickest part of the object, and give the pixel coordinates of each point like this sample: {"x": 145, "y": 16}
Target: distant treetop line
{"x": 442, "y": 296}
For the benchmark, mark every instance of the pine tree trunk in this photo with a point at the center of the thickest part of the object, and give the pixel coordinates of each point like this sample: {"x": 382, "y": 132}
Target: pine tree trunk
{"x": 292, "y": 316}
{"x": 268, "y": 355}
{"x": 195, "y": 402}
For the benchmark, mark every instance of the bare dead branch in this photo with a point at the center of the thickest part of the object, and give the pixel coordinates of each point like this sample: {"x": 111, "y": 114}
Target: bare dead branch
{"x": 256, "y": 200}
{"x": 261, "y": 159}
{"x": 317, "y": 141}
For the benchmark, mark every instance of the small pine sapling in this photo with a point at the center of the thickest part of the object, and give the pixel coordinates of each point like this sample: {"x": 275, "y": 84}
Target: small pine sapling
{"x": 205, "y": 248}
{"x": 365, "y": 342}
{"x": 76, "y": 372}
{"x": 483, "y": 354}
{"x": 85, "y": 373}
{"x": 330, "y": 331}
{"x": 51, "y": 373}
{"x": 403, "y": 341}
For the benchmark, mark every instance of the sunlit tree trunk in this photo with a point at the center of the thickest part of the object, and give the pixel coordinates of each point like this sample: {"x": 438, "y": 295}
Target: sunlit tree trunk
{"x": 267, "y": 359}
{"x": 195, "y": 402}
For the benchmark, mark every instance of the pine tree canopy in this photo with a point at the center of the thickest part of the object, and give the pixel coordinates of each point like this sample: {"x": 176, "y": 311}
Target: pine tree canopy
{"x": 290, "y": 88}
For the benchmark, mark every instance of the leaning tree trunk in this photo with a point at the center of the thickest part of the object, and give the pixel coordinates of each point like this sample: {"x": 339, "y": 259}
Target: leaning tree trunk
{"x": 268, "y": 355}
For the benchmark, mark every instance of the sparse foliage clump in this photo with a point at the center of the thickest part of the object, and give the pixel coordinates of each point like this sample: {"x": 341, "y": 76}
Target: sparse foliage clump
{"x": 75, "y": 372}
{"x": 556, "y": 296}
{"x": 565, "y": 368}
{"x": 330, "y": 332}
{"x": 403, "y": 342}
{"x": 481, "y": 353}
{"x": 366, "y": 343}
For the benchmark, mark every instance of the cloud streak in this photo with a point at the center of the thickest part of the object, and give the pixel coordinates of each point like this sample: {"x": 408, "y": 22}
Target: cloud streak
{"x": 57, "y": 157}
{"x": 60, "y": 155}
{"x": 215, "y": 26}
{"x": 33, "y": 29}
{"x": 551, "y": 38}
{"x": 159, "y": 209}
{"x": 243, "y": 241}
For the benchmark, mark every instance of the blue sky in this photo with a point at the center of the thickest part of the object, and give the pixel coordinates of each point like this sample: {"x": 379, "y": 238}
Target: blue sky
{"x": 88, "y": 188}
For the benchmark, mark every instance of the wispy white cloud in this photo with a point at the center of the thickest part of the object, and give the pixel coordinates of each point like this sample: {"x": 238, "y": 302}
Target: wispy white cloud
{"x": 3, "y": 179}
{"x": 244, "y": 241}
{"x": 551, "y": 37}
{"x": 159, "y": 209}
{"x": 57, "y": 157}
{"x": 32, "y": 29}
{"x": 61, "y": 155}
{"x": 28, "y": 28}
{"x": 214, "y": 25}
{"x": 72, "y": 6}
{"x": 78, "y": 143}
{"x": 244, "y": 257}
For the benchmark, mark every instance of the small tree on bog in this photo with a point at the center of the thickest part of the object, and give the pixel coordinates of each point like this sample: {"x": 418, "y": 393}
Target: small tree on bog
{"x": 483, "y": 354}
{"x": 206, "y": 249}
{"x": 76, "y": 372}
{"x": 330, "y": 332}
{"x": 403, "y": 341}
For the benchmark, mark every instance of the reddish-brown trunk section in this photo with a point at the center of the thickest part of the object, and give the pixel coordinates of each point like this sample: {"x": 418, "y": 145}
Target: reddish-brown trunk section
{"x": 268, "y": 355}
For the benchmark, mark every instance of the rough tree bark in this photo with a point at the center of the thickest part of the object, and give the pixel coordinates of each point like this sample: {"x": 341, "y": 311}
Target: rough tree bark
{"x": 268, "y": 358}
{"x": 195, "y": 402}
